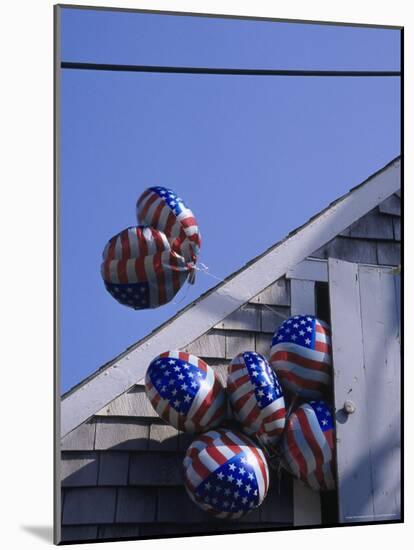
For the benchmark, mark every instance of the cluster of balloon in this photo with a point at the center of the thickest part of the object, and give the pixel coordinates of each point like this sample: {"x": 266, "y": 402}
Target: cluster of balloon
{"x": 256, "y": 397}
{"x": 144, "y": 266}
{"x": 301, "y": 356}
{"x": 225, "y": 468}
{"x": 225, "y": 473}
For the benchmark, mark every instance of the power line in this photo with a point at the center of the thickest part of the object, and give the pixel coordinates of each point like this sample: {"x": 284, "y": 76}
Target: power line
{"x": 219, "y": 71}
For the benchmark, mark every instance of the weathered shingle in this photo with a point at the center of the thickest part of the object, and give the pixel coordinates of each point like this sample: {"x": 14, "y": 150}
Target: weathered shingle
{"x": 131, "y": 403}
{"x": 392, "y": 205}
{"x": 351, "y": 250}
{"x": 397, "y": 229}
{"x": 246, "y": 318}
{"x": 273, "y": 317}
{"x": 89, "y": 506}
{"x": 156, "y": 469}
{"x": 79, "y": 469}
{"x": 81, "y": 438}
{"x": 372, "y": 226}
{"x": 389, "y": 253}
{"x": 121, "y": 434}
{"x": 163, "y": 437}
{"x": 212, "y": 344}
{"x": 136, "y": 505}
{"x": 263, "y": 344}
{"x": 113, "y": 468}
{"x": 237, "y": 342}
{"x": 175, "y": 506}
{"x": 277, "y": 294}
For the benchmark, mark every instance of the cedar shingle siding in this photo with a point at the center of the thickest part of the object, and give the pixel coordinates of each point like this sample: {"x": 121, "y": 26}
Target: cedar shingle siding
{"x": 121, "y": 470}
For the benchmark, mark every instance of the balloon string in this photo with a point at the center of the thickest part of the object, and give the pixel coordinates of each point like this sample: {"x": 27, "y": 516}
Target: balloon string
{"x": 206, "y": 270}
{"x": 183, "y": 297}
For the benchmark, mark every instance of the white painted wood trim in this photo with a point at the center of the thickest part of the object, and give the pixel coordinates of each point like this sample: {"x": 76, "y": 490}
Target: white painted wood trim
{"x": 349, "y": 381}
{"x": 207, "y": 312}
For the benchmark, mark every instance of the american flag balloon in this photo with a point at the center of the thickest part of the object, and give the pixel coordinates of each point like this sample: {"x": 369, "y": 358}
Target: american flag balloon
{"x": 301, "y": 356}
{"x": 185, "y": 391}
{"x": 308, "y": 445}
{"x": 256, "y": 397}
{"x": 225, "y": 473}
{"x": 140, "y": 270}
{"x": 164, "y": 210}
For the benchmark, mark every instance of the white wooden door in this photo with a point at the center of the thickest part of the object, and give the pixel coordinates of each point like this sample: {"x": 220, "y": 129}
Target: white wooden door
{"x": 365, "y": 318}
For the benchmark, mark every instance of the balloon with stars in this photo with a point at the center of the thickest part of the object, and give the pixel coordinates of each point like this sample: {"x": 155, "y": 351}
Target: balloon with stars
{"x": 140, "y": 270}
{"x": 301, "y": 356}
{"x": 256, "y": 397}
{"x": 164, "y": 210}
{"x": 308, "y": 445}
{"x": 225, "y": 473}
{"x": 185, "y": 391}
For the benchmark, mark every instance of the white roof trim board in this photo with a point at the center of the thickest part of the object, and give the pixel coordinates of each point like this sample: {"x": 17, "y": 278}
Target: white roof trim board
{"x": 206, "y": 312}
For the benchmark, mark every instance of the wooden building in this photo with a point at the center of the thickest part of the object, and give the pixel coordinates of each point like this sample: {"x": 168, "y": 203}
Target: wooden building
{"x": 121, "y": 465}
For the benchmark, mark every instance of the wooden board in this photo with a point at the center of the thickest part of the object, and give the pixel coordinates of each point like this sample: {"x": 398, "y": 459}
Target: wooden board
{"x": 156, "y": 469}
{"x": 113, "y": 468}
{"x": 306, "y": 503}
{"x": 212, "y": 344}
{"x": 309, "y": 270}
{"x": 245, "y": 318}
{"x": 303, "y": 297}
{"x": 238, "y": 342}
{"x": 380, "y": 328}
{"x": 79, "y": 469}
{"x": 89, "y": 505}
{"x": 121, "y": 434}
{"x": 131, "y": 403}
{"x": 353, "y": 460}
{"x": 351, "y": 250}
{"x": 273, "y": 317}
{"x": 364, "y": 317}
{"x": 136, "y": 505}
{"x": 372, "y": 226}
{"x": 392, "y": 205}
{"x": 397, "y": 229}
{"x": 81, "y": 438}
{"x": 389, "y": 253}
{"x": 277, "y": 294}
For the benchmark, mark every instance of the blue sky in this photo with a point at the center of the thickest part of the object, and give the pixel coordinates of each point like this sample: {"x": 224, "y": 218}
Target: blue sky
{"x": 253, "y": 157}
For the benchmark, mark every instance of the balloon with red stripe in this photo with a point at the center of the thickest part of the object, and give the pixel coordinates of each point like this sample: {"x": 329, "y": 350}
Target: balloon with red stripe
{"x": 301, "y": 356}
{"x": 225, "y": 473}
{"x": 185, "y": 391}
{"x": 308, "y": 445}
{"x": 140, "y": 270}
{"x": 256, "y": 397}
{"x": 164, "y": 210}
